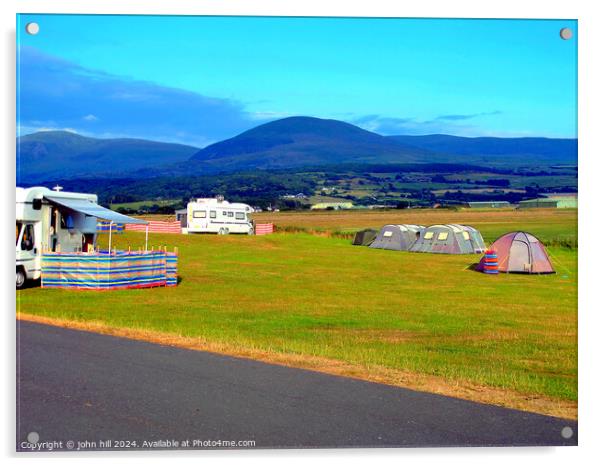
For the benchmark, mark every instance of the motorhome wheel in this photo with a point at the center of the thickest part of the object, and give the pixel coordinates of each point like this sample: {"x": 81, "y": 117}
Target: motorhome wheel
{"x": 20, "y": 278}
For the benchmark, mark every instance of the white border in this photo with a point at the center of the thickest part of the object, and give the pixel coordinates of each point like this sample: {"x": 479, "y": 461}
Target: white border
{"x": 590, "y": 106}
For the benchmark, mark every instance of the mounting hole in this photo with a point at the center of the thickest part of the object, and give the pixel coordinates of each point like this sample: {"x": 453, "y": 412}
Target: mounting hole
{"x": 32, "y": 28}
{"x": 566, "y": 432}
{"x": 566, "y": 33}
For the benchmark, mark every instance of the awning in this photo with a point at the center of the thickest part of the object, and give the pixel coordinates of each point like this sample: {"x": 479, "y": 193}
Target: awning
{"x": 93, "y": 210}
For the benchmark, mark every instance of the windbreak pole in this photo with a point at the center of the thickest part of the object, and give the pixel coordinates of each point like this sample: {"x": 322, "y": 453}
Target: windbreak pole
{"x": 110, "y": 235}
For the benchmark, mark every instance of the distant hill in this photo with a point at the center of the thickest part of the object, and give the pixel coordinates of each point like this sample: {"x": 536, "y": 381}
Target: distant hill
{"x": 288, "y": 143}
{"x": 487, "y": 149}
{"x": 50, "y": 155}
{"x": 305, "y": 141}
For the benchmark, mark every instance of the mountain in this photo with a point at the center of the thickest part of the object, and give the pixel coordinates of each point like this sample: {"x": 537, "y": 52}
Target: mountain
{"x": 50, "y": 155}
{"x": 305, "y": 141}
{"x": 287, "y": 143}
{"x": 487, "y": 149}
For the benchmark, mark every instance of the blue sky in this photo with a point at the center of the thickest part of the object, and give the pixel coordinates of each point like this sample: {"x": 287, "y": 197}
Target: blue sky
{"x": 197, "y": 80}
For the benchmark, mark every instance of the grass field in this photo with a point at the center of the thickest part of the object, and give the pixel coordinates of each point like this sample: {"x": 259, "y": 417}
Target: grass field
{"x": 139, "y": 204}
{"x": 550, "y": 225}
{"x": 419, "y": 320}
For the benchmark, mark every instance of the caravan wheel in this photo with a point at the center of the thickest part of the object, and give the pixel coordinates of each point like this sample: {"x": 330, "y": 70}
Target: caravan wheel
{"x": 20, "y": 278}
{"x": 251, "y": 231}
{"x": 222, "y": 231}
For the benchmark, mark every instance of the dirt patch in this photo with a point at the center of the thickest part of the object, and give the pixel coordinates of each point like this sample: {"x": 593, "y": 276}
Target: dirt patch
{"x": 415, "y": 381}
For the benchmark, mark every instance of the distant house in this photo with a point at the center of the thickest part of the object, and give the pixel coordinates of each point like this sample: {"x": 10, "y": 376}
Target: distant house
{"x": 557, "y": 202}
{"x": 560, "y": 195}
{"x": 332, "y": 205}
{"x": 488, "y": 204}
{"x": 294, "y": 196}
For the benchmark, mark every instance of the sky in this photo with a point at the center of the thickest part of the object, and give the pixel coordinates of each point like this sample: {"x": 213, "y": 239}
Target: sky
{"x": 198, "y": 80}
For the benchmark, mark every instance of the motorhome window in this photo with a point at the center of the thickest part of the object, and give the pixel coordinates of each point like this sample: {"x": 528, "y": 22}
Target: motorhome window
{"x": 199, "y": 214}
{"x": 240, "y": 215}
{"x": 27, "y": 239}
{"x": 213, "y": 214}
{"x": 230, "y": 214}
{"x": 442, "y": 236}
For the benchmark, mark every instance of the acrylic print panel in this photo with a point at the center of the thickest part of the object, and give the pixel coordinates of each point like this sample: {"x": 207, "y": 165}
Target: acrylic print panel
{"x": 193, "y": 186}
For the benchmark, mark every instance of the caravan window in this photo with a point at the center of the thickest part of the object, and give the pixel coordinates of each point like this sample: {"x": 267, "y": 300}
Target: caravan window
{"x": 386, "y": 234}
{"x": 428, "y": 235}
{"x": 230, "y": 214}
{"x": 466, "y": 235}
{"x": 240, "y": 215}
{"x": 442, "y": 236}
{"x": 199, "y": 214}
{"x": 224, "y": 213}
{"x": 213, "y": 214}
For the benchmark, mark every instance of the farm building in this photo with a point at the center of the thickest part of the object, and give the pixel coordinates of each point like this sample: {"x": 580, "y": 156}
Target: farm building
{"x": 449, "y": 239}
{"x": 397, "y": 237}
{"x": 520, "y": 252}
{"x": 332, "y": 205}
{"x": 488, "y": 204}
{"x": 557, "y": 202}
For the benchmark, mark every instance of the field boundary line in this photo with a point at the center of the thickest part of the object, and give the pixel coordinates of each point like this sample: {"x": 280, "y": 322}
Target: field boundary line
{"x": 415, "y": 381}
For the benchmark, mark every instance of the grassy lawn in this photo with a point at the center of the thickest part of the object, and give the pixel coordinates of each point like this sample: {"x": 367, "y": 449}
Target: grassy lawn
{"x": 318, "y": 296}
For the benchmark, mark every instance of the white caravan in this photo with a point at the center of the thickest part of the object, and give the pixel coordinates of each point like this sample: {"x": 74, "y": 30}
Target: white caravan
{"x": 49, "y": 220}
{"x": 218, "y": 216}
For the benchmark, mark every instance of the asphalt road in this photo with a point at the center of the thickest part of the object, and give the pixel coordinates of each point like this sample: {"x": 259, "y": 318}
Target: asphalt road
{"x": 84, "y": 387}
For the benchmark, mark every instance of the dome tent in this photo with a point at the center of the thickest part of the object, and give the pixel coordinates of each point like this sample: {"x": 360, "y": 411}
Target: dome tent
{"x": 520, "y": 252}
{"x": 397, "y": 237}
{"x": 449, "y": 239}
{"x": 364, "y": 237}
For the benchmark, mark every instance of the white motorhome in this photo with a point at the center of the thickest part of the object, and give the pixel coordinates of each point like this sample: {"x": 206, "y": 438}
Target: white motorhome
{"x": 49, "y": 220}
{"x": 215, "y": 215}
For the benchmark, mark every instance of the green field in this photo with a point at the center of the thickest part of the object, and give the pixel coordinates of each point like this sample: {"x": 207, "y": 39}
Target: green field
{"x": 139, "y": 204}
{"x": 379, "y": 312}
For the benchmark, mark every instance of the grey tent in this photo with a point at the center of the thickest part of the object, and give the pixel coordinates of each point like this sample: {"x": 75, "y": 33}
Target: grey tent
{"x": 364, "y": 237}
{"x": 397, "y": 237}
{"x": 450, "y": 239}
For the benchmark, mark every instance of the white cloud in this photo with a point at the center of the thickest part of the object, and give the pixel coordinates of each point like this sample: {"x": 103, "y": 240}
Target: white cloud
{"x": 90, "y": 117}
{"x": 22, "y": 130}
{"x": 268, "y": 115}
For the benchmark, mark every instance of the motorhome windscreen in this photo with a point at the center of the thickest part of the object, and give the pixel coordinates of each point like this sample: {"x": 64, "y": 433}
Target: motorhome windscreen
{"x": 18, "y": 232}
